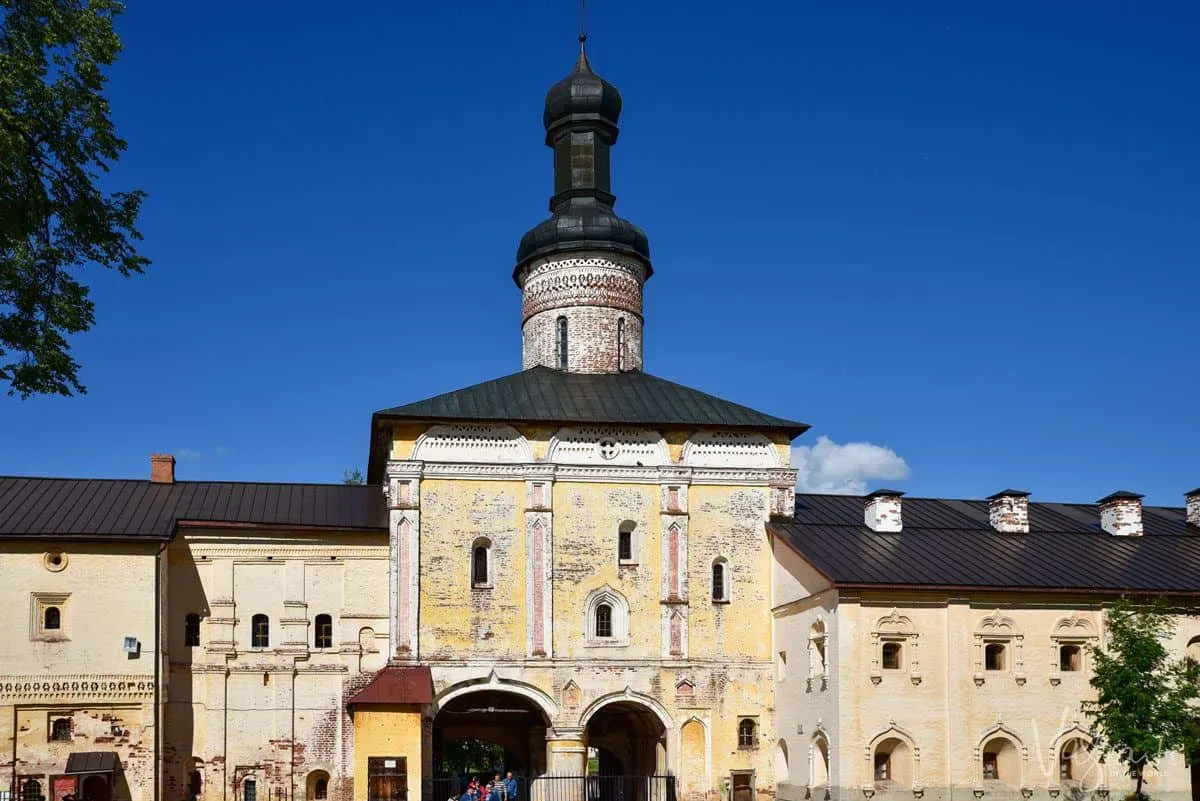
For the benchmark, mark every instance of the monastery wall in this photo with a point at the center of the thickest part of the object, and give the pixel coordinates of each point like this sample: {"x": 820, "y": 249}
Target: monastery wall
{"x": 271, "y": 713}
{"x": 938, "y": 715}
{"x": 67, "y": 683}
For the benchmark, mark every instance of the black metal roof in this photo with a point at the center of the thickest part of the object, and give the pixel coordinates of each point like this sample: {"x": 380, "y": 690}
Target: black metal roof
{"x": 582, "y": 92}
{"x": 125, "y": 508}
{"x": 544, "y": 395}
{"x": 950, "y": 543}
{"x": 92, "y": 762}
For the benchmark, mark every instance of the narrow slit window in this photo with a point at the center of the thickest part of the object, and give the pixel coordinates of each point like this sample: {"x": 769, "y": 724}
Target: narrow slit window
{"x": 562, "y": 343}
{"x": 719, "y": 590}
{"x": 604, "y": 621}
{"x": 991, "y": 765}
{"x": 479, "y": 566}
{"x": 883, "y": 766}
{"x": 52, "y": 618}
{"x": 625, "y": 546}
{"x": 323, "y": 632}
{"x": 621, "y": 343}
{"x": 260, "y": 632}
{"x": 191, "y": 630}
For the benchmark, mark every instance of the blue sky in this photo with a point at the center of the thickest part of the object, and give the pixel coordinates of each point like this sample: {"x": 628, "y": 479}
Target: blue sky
{"x": 962, "y": 232}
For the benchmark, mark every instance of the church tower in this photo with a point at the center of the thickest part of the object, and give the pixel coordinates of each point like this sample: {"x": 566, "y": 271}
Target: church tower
{"x": 581, "y": 271}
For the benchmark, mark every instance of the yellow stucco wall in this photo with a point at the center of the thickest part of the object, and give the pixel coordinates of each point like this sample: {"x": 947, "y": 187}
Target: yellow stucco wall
{"x": 387, "y": 731}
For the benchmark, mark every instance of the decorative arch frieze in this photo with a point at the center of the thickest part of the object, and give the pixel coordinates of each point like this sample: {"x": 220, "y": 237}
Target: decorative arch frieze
{"x": 895, "y": 630}
{"x": 472, "y": 442}
{"x": 609, "y": 446}
{"x": 730, "y": 449}
{"x": 998, "y": 628}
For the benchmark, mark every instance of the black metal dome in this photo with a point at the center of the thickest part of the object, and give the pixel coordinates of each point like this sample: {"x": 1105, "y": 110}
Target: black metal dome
{"x": 584, "y": 227}
{"x": 581, "y": 126}
{"x": 584, "y": 93}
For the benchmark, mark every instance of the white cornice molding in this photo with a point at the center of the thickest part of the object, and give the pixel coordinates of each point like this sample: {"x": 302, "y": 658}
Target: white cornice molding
{"x": 476, "y": 471}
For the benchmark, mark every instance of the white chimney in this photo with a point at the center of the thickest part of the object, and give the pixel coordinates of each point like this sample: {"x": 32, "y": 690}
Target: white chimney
{"x": 1193, "y": 507}
{"x": 1121, "y": 514}
{"x": 1008, "y": 511}
{"x": 881, "y": 511}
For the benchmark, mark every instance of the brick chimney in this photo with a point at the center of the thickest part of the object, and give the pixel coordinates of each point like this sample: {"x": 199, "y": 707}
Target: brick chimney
{"x": 1008, "y": 511}
{"x": 1121, "y": 514}
{"x": 1193, "y": 507}
{"x": 881, "y": 511}
{"x": 162, "y": 468}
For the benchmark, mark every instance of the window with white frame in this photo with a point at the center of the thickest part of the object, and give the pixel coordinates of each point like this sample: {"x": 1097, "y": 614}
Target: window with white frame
{"x": 606, "y": 618}
{"x": 48, "y": 616}
{"x": 816, "y": 655}
{"x": 998, "y": 648}
{"x": 1070, "y": 639}
{"x": 894, "y": 647}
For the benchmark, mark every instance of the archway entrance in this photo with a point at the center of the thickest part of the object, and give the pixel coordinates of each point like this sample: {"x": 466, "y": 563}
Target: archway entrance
{"x": 486, "y": 731}
{"x": 626, "y": 738}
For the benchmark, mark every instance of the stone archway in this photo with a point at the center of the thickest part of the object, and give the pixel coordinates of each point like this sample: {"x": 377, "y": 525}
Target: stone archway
{"x": 488, "y": 723}
{"x": 627, "y": 736}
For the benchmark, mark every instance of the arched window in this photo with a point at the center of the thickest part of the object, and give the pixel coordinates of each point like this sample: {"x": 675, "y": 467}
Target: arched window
{"x": 191, "y": 630}
{"x": 481, "y": 563}
{"x": 31, "y": 790}
{"x": 561, "y": 328}
{"x": 323, "y": 632}
{"x": 816, "y": 653}
{"x": 195, "y": 784}
{"x": 1077, "y": 765}
{"x": 60, "y": 730}
{"x": 249, "y": 789}
{"x": 260, "y": 636}
{"x": 620, "y": 343}
{"x": 1001, "y": 761}
{"x": 820, "y": 761}
{"x": 604, "y": 620}
{"x": 318, "y": 785}
{"x": 747, "y": 733}
{"x": 892, "y": 761}
{"x": 720, "y": 582}
{"x": 625, "y": 545}
{"x": 52, "y": 618}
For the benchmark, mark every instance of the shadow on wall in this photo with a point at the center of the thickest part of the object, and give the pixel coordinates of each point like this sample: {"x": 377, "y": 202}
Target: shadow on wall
{"x": 185, "y": 596}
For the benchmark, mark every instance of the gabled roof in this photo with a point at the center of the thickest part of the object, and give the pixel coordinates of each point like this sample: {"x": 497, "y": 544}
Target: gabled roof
{"x": 543, "y": 395}
{"x": 950, "y": 543}
{"x": 127, "y": 508}
{"x": 397, "y": 685}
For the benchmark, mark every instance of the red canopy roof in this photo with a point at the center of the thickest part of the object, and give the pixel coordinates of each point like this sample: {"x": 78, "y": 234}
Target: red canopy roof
{"x": 397, "y": 685}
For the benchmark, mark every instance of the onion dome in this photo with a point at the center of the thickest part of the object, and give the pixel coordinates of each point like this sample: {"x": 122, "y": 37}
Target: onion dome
{"x": 580, "y": 118}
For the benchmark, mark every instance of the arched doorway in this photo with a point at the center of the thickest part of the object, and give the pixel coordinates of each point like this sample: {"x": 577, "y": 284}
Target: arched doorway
{"x": 627, "y": 738}
{"x": 95, "y": 788}
{"x": 483, "y": 731}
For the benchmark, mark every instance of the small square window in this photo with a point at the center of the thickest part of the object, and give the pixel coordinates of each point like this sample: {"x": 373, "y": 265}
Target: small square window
{"x": 61, "y": 730}
{"x": 48, "y": 616}
{"x": 993, "y": 656}
{"x": 1070, "y": 658}
{"x": 891, "y": 655}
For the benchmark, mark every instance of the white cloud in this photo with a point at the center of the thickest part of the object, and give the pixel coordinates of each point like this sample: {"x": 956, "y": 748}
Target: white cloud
{"x": 844, "y": 469}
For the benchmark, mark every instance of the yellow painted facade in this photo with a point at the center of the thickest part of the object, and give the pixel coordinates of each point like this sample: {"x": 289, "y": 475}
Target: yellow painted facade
{"x": 389, "y": 734}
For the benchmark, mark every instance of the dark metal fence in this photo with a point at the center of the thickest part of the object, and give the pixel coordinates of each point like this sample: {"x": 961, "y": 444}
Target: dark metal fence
{"x": 569, "y": 788}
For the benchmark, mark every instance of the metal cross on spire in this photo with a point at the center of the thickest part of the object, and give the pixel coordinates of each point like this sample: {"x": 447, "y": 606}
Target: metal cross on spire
{"x": 582, "y": 22}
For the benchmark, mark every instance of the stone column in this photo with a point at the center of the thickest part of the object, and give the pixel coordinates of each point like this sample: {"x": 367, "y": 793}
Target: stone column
{"x": 539, "y": 562}
{"x": 566, "y": 752}
{"x": 404, "y": 526}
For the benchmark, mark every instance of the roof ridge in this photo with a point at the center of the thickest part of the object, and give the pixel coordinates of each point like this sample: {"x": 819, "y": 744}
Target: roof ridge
{"x": 148, "y": 482}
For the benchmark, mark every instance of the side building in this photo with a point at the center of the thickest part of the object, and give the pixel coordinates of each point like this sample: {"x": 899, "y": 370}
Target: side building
{"x": 942, "y": 648}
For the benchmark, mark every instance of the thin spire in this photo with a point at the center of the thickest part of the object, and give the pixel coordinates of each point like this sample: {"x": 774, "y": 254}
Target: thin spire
{"x": 582, "y": 22}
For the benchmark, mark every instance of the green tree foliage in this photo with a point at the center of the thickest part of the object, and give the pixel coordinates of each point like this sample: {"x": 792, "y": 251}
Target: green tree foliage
{"x": 354, "y": 476}
{"x": 472, "y": 757}
{"x": 1143, "y": 699}
{"x": 56, "y": 141}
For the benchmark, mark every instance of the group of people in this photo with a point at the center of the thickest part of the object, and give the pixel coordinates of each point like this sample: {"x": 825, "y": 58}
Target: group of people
{"x": 498, "y": 789}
